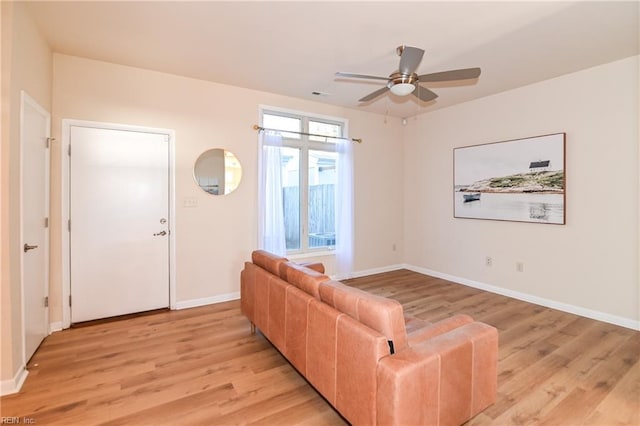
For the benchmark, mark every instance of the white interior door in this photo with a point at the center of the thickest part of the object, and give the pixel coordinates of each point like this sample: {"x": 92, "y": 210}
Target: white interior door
{"x": 119, "y": 224}
{"x": 34, "y": 131}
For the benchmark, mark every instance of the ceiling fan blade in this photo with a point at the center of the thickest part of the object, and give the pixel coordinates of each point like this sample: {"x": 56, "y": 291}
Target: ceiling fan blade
{"x": 373, "y": 95}
{"x": 351, "y": 75}
{"x": 462, "y": 74}
{"x": 410, "y": 59}
{"x": 424, "y": 94}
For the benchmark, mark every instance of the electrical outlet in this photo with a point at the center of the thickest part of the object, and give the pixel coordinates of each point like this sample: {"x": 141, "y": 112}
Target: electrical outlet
{"x": 519, "y": 266}
{"x": 489, "y": 261}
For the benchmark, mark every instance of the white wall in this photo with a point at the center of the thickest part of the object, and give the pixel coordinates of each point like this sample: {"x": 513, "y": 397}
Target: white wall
{"x": 215, "y": 238}
{"x": 591, "y": 263}
{"x": 26, "y": 65}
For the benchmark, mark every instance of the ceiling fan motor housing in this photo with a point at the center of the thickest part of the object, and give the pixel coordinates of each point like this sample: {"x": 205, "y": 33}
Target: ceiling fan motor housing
{"x": 399, "y": 78}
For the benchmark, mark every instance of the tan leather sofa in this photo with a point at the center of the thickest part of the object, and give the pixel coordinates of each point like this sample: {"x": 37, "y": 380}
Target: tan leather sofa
{"x": 374, "y": 365}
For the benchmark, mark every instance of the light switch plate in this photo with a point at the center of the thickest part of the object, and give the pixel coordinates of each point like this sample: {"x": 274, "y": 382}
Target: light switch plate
{"x": 190, "y": 202}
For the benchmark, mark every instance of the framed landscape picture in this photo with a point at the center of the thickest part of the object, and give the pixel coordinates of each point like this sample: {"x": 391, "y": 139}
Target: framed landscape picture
{"x": 519, "y": 180}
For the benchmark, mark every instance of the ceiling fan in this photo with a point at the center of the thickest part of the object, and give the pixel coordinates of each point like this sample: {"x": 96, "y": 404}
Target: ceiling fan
{"x": 405, "y": 81}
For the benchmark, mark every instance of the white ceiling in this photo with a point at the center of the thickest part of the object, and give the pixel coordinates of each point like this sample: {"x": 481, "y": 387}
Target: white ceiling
{"x": 295, "y": 48}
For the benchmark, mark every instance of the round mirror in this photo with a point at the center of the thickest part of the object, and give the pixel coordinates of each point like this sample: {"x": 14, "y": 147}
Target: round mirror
{"x": 217, "y": 171}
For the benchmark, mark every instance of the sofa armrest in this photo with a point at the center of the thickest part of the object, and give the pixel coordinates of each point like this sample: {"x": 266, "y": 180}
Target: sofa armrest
{"x": 247, "y": 283}
{"x": 443, "y": 380}
{"x": 412, "y": 324}
{"x": 428, "y": 331}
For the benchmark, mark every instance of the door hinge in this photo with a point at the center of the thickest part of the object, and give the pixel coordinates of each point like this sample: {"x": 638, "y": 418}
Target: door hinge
{"x": 49, "y": 141}
{"x": 69, "y": 300}
{"x": 69, "y": 150}
{"x": 69, "y": 225}
{"x": 46, "y": 222}
{"x": 46, "y": 301}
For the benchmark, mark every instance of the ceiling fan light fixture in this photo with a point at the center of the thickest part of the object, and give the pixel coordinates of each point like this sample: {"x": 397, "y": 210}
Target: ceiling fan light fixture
{"x": 402, "y": 89}
{"x": 402, "y": 84}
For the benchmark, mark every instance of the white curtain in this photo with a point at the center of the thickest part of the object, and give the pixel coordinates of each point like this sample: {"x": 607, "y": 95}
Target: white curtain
{"x": 344, "y": 209}
{"x": 271, "y": 231}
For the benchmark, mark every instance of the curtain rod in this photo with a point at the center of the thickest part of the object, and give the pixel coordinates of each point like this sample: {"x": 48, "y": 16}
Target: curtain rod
{"x": 260, "y": 129}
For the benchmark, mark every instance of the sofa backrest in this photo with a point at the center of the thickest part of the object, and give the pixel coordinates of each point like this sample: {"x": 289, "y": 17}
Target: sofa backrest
{"x": 306, "y": 279}
{"x": 376, "y": 312}
{"x": 267, "y": 261}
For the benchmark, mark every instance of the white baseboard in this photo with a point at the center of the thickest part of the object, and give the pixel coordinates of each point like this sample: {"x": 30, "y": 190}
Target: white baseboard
{"x": 194, "y": 303}
{"x": 368, "y": 272}
{"x": 7, "y": 387}
{"x": 55, "y": 326}
{"x": 565, "y": 307}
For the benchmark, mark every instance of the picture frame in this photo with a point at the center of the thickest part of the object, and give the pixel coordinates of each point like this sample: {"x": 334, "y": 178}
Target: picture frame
{"x": 519, "y": 180}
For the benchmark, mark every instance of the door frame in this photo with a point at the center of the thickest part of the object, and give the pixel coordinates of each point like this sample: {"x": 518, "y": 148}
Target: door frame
{"x": 67, "y": 124}
{"x": 25, "y": 100}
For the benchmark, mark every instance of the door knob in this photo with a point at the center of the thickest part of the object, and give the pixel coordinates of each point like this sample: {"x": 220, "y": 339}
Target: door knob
{"x": 27, "y": 247}
{"x": 161, "y": 233}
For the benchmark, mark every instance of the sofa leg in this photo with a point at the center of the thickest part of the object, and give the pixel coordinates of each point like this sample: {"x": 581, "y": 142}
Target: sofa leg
{"x": 253, "y": 328}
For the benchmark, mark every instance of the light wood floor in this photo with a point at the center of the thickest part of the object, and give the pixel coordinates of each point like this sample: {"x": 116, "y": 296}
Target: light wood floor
{"x": 202, "y": 366}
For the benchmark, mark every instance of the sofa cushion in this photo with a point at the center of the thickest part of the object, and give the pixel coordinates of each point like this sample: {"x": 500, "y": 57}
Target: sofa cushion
{"x": 316, "y": 266}
{"x": 379, "y": 313}
{"x": 307, "y": 280}
{"x": 267, "y": 261}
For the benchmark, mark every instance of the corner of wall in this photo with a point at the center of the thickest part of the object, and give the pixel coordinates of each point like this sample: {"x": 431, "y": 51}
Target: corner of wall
{"x": 13, "y": 385}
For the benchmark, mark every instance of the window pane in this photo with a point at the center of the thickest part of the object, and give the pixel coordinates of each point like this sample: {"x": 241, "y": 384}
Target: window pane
{"x": 322, "y": 183}
{"x": 279, "y": 122}
{"x": 329, "y": 129}
{"x": 291, "y": 196}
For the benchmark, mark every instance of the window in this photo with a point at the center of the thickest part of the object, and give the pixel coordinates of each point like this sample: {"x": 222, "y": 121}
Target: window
{"x": 308, "y": 170}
